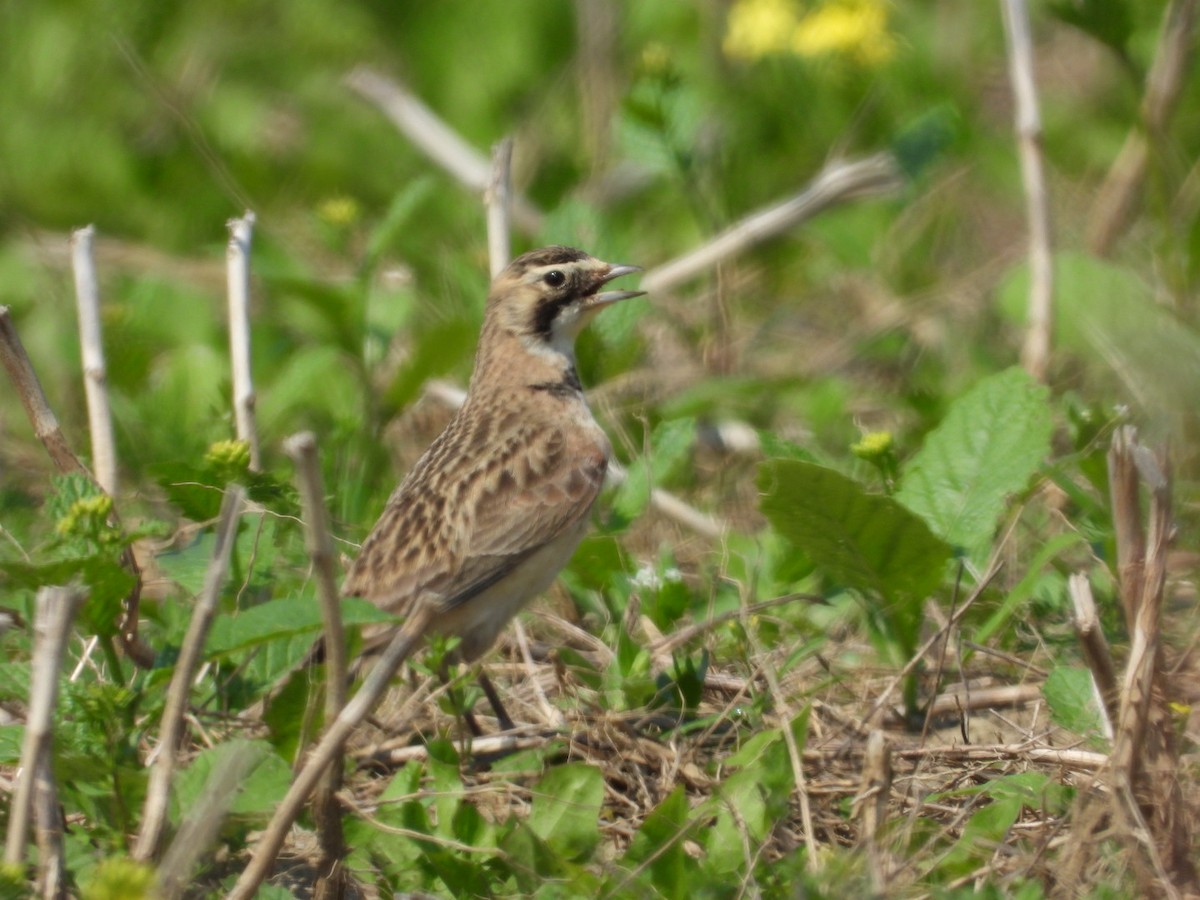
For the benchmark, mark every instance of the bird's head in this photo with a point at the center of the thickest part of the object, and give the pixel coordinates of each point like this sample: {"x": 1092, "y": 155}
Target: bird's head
{"x": 546, "y": 297}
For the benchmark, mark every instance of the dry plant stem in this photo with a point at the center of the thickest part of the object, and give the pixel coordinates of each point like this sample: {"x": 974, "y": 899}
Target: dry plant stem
{"x": 498, "y": 201}
{"x": 873, "y": 800}
{"x": 1117, "y": 202}
{"x": 1035, "y": 355}
{"x": 95, "y": 374}
{"x": 237, "y": 254}
{"x": 55, "y": 611}
{"x": 302, "y": 448}
{"x": 49, "y": 827}
{"x": 33, "y": 398}
{"x": 882, "y": 700}
{"x": 154, "y": 813}
{"x": 1127, "y": 519}
{"x": 662, "y": 501}
{"x": 1094, "y": 647}
{"x": 202, "y": 823}
{"x": 435, "y": 138}
{"x": 789, "y": 737}
{"x": 839, "y": 181}
{"x": 407, "y": 640}
{"x": 47, "y": 430}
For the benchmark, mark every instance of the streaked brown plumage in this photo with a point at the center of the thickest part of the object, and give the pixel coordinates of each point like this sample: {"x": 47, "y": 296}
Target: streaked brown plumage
{"x": 496, "y": 506}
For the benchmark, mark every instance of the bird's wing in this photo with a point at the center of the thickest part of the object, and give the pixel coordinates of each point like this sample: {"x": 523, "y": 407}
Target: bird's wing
{"x": 531, "y": 499}
{"x": 439, "y": 540}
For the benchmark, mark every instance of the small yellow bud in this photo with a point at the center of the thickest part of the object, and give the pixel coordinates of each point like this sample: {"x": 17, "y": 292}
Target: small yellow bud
{"x": 339, "y": 211}
{"x": 873, "y": 445}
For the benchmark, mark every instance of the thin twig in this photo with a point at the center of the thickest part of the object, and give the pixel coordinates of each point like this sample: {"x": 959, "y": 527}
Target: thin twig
{"x": 54, "y": 613}
{"x": 497, "y": 199}
{"x": 874, "y": 176}
{"x": 783, "y": 708}
{"x": 95, "y": 375}
{"x": 302, "y": 448}
{"x": 1117, "y": 201}
{"x": 406, "y": 640}
{"x": 435, "y": 138}
{"x": 46, "y": 429}
{"x": 154, "y": 814}
{"x": 956, "y": 616}
{"x": 241, "y": 231}
{"x": 1035, "y": 355}
{"x": 33, "y": 398}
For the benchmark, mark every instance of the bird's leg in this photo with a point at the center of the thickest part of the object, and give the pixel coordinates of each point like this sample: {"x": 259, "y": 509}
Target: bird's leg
{"x": 457, "y": 700}
{"x": 489, "y": 690}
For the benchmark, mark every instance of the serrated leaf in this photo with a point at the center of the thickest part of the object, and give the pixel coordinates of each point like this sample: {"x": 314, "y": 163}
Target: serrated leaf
{"x": 989, "y": 445}
{"x": 866, "y": 541}
{"x": 566, "y": 809}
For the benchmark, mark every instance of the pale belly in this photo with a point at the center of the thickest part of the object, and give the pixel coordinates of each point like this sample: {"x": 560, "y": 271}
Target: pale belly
{"x": 480, "y": 620}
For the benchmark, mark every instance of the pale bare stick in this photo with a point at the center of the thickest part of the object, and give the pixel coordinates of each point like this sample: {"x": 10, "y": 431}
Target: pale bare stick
{"x": 497, "y": 199}
{"x": 95, "y": 374}
{"x": 1035, "y": 354}
{"x": 872, "y": 801}
{"x": 237, "y": 257}
{"x": 302, "y": 448}
{"x": 154, "y": 813}
{"x": 49, "y": 827}
{"x": 1117, "y": 201}
{"x": 435, "y": 138}
{"x": 202, "y": 823}
{"x": 874, "y": 176}
{"x": 407, "y": 639}
{"x": 54, "y": 613}
{"x": 1095, "y": 648}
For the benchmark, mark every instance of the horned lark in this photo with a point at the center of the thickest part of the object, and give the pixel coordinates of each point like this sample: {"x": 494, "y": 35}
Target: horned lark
{"x": 498, "y": 503}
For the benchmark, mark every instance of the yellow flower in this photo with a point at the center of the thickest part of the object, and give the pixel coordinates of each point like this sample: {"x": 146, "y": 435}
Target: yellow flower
{"x": 873, "y": 445}
{"x": 854, "y": 28}
{"x": 86, "y": 516}
{"x": 339, "y": 211}
{"x": 759, "y": 27}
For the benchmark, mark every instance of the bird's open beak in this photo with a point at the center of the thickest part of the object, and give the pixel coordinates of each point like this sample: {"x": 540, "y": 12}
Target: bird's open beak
{"x": 607, "y": 298}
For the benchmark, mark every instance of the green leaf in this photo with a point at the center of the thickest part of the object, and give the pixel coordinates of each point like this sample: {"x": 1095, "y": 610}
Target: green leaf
{"x": 566, "y": 809}
{"x": 11, "y": 737}
{"x": 264, "y": 781}
{"x": 1108, "y": 21}
{"x": 14, "y": 681}
{"x": 283, "y": 618}
{"x": 989, "y": 445}
{"x": 866, "y": 541}
{"x": 670, "y": 446}
{"x": 1106, "y": 311}
{"x": 659, "y": 844}
{"x": 1068, "y": 691}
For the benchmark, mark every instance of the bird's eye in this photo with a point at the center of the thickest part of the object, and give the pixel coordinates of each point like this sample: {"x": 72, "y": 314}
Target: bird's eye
{"x": 555, "y": 278}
